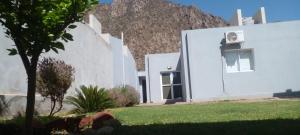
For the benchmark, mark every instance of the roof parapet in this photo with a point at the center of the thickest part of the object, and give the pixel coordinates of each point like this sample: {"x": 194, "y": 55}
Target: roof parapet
{"x": 260, "y": 16}
{"x": 95, "y": 24}
{"x": 239, "y": 20}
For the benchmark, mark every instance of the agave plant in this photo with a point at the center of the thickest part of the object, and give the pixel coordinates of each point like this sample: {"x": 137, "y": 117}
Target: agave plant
{"x": 90, "y": 99}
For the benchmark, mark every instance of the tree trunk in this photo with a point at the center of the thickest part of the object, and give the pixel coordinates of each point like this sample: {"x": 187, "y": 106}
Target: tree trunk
{"x": 53, "y": 104}
{"x": 31, "y": 88}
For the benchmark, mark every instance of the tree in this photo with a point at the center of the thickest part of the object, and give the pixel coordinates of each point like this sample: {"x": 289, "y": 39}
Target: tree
{"x": 35, "y": 27}
{"x": 54, "y": 78}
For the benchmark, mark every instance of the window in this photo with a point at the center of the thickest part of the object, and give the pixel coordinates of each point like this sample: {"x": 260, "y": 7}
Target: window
{"x": 171, "y": 85}
{"x": 239, "y": 60}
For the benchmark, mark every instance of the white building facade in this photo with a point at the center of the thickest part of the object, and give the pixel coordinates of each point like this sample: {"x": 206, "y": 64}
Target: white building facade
{"x": 249, "y": 59}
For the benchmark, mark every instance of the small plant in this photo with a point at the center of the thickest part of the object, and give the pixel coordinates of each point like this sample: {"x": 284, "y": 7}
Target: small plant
{"x": 53, "y": 80}
{"x": 124, "y": 96}
{"x": 90, "y": 99}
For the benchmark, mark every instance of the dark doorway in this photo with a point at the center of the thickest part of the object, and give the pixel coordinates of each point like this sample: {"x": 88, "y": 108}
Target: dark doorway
{"x": 144, "y": 91}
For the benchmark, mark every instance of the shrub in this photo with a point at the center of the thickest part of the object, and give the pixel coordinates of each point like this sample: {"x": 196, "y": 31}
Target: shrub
{"x": 90, "y": 99}
{"x": 54, "y": 78}
{"x": 124, "y": 96}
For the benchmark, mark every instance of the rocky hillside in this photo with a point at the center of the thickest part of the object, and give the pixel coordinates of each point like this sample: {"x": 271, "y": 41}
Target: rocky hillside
{"x": 152, "y": 26}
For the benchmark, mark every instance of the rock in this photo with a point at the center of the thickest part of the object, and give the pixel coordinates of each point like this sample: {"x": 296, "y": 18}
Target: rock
{"x": 100, "y": 118}
{"x": 86, "y": 122}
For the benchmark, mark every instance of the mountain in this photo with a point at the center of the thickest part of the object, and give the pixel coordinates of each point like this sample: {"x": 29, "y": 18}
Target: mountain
{"x": 152, "y": 26}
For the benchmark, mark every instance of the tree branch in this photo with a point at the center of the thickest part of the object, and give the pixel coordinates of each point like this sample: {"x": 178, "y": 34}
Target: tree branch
{"x": 21, "y": 50}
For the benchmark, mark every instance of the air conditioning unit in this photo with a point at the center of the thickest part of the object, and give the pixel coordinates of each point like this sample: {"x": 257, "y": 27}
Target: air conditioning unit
{"x": 233, "y": 37}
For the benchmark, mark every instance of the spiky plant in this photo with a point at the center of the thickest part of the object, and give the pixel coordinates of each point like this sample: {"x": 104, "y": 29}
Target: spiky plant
{"x": 90, "y": 99}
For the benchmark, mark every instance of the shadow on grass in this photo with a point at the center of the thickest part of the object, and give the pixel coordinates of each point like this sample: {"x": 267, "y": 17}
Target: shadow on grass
{"x": 270, "y": 127}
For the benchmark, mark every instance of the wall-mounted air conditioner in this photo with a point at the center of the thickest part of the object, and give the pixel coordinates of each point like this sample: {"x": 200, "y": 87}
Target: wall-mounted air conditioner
{"x": 233, "y": 37}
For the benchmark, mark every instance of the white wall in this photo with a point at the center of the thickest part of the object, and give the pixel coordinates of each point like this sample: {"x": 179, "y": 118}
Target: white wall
{"x": 12, "y": 73}
{"x": 260, "y": 16}
{"x": 276, "y": 61}
{"x": 98, "y": 59}
{"x": 118, "y": 54}
{"x": 155, "y": 64}
{"x": 125, "y": 71}
{"x": 236, "y": 20}
{"x": 130, "y": 70}
{"x": 89, "y": 54}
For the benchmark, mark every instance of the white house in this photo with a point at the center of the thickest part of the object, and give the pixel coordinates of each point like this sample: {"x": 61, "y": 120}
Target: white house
{"x": 249, "y": 59}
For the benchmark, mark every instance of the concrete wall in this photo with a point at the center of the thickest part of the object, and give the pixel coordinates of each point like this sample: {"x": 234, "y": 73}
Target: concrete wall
{"x": 130, "y": 70}
{"x": 275, "y": 47}
{"x": 95, "y": 24}
{"x": 124, "y": 66}
{"x": 118, "y": 74}
{"x": 89, "y": 54}
{"x": 237, "y": 18}
{"x": 12, "y": 73}
{"x": 155, "y": 64}
{"x": 185, "y": 65}
{"x": 260, "y": 16}
{"x": 98, "y": 59}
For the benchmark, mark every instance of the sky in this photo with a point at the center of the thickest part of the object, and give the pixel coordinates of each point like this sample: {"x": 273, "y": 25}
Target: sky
{"x": 276, "y": 10}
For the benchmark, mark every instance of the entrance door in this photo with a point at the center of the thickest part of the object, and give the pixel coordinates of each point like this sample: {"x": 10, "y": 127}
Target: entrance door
{"x": 171, "y": 85}
{"x": 144, "y": 91}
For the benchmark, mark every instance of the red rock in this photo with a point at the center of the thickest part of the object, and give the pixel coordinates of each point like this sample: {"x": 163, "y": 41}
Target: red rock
{"x": 86, "y": 121}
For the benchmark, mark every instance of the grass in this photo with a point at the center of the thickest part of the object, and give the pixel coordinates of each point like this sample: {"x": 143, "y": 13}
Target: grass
{"x": 268, "y": 117}
{"x": 220, "y": 118}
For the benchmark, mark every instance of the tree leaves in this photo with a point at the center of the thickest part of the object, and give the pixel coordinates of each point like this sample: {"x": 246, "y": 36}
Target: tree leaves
{"x": 38, "y": 27}
{"x": 72, "y": 26}
{"x": 59, "y": 45}
{"x": 68, "y": 36}
{"x": 12, "y": 51}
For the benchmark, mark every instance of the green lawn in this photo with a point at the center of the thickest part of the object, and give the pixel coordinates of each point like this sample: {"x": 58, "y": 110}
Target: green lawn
{"x": 268, "y": 117}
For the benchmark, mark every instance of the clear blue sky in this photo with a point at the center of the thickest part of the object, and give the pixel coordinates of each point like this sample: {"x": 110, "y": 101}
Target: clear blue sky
{"x": 276, "y": 10}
